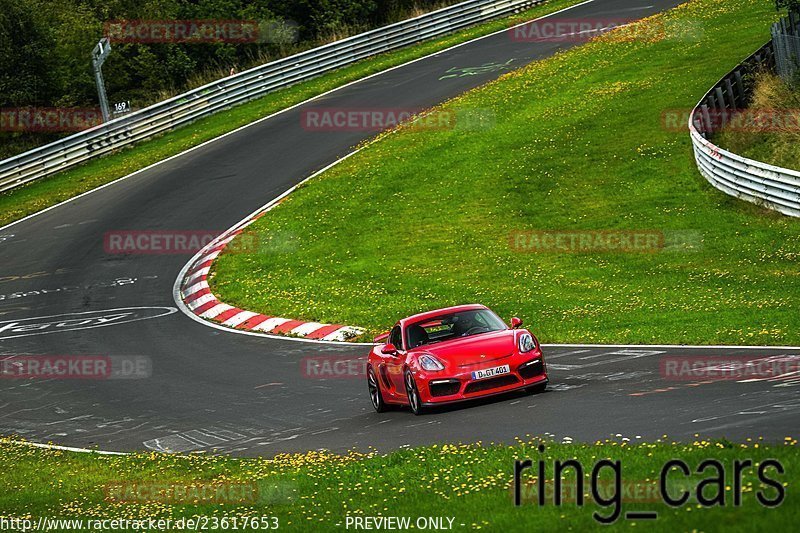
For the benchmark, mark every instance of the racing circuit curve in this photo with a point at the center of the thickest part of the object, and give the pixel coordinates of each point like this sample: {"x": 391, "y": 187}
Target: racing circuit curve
{"x": 250, "y": 395}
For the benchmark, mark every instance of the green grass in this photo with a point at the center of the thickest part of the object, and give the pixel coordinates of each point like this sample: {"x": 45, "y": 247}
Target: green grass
{"x": 780, "y": 145}
{"x": 472, "y": 483}
{"x": 422, "y": 219}
{"x": 39, "y": 195}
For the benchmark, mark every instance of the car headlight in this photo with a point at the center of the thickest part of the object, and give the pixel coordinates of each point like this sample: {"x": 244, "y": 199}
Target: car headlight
{"x": 526, "y": 343}
{"x": 429, "y": 362}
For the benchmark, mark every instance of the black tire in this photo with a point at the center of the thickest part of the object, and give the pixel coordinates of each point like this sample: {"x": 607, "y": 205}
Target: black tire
{"x": 375, "y": 396}
{"x": 414, "y": 401}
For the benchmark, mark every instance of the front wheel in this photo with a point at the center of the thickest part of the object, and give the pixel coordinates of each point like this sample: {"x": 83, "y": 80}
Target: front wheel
{"x": 414, "y": 401}
{"x": 375, "y": 395}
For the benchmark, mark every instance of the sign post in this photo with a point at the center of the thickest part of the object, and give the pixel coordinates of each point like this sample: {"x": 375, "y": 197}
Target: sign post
{"x": 99, "y": 55}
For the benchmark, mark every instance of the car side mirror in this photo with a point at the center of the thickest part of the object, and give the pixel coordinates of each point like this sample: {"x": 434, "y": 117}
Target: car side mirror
{"x": 389, "y": 349}
{"x": 516, "y": 322}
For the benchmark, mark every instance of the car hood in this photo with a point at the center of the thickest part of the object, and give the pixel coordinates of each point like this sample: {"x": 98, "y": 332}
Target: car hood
{"x": 481, "y": 348}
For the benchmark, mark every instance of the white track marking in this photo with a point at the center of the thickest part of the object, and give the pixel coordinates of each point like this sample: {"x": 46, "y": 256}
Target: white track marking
{"x": 344, "y": 333}
{"x": 561, "y": 367}
{"x": 593, "y": 356}
{"x": 200, "y": 285}
{"x": 216, "y": 310}
{"x": 197, "y": 275}
{"x": 239, "y": 318}
{"x": 270, "y": 324}
{"x": 65, "y": 448}
{"x": 307, "y": 328}
{"x": 212, "y": 255}
{"x": 111, "y": 317}
{"x": 204, "y": 299}
{"x": 574, "y": 352}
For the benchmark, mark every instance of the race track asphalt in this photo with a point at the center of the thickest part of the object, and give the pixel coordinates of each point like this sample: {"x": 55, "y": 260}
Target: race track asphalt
{"x": 212, "y": 390}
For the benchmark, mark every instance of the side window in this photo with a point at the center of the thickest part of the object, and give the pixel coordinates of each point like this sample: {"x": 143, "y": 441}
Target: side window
{"x": 395, "y": 338}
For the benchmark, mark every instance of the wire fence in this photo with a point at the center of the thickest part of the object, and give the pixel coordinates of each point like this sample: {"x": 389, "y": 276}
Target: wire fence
{"x": 786, "y": 43}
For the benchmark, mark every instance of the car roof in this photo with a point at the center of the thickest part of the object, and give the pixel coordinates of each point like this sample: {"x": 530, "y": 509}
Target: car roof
{"x": 436, "y": 312}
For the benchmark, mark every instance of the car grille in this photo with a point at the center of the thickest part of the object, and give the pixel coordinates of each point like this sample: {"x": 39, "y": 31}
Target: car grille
{"x": 491, "y": 383}
{"x": 444, "y": 388}
{"x": 531, "y": 369}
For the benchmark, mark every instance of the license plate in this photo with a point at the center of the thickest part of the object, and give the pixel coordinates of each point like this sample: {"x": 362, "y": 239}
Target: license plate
{"x": 491, "y": 372}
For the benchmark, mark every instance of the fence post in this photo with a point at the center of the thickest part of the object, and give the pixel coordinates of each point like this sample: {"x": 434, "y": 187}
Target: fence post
{"x": 731, "y": 94}
{"x": 740, "y": 85}
{"x": 708, "y": 127}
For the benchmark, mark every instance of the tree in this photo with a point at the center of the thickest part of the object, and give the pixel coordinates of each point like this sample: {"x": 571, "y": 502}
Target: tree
{"x": 791, "y": 5}
{"x": 26, "y": 43}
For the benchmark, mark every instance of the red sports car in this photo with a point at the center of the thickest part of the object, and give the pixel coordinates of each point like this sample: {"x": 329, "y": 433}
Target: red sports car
{"x": 451, "y": 355}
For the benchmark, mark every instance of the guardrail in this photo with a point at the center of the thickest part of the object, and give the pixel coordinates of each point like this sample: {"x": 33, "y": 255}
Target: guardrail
{"x": 760, "y": 183}
{"x": 248, "y": 85}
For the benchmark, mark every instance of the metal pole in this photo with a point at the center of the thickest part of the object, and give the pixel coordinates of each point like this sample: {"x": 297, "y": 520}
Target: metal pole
{"x": 99, "y": 55}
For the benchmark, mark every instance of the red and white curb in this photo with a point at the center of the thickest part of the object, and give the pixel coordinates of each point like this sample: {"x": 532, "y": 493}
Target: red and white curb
{"x": 198, "y": 298}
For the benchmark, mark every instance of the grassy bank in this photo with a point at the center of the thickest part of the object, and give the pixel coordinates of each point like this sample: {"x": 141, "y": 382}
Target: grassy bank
{"x": 21, "y": 202}
{"x": 779, "y": 143}
{"x": 428, "y": 218}
{"x": 470, "y": 483}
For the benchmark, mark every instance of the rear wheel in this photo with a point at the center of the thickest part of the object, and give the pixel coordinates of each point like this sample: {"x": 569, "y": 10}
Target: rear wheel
{"x": 375, "y": 395}
{"x": 414, "y": 401}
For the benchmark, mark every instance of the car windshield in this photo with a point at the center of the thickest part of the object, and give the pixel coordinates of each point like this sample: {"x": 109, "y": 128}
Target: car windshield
{"x": 451, "y": 326}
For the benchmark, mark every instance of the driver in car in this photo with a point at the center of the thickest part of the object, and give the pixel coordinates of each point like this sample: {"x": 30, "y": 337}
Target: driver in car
{"x": 462, "y": 324}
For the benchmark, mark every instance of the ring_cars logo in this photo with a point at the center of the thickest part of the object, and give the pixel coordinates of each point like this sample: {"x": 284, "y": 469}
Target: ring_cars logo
{"x": 73, "y": 321}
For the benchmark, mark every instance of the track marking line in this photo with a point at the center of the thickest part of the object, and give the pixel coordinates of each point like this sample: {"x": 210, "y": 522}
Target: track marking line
{"x": 65, "y": 448}
{"x": 574, "y": 352}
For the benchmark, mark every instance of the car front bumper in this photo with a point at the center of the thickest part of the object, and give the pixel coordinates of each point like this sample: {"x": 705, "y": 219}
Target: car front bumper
{"x": 436, "y": 389}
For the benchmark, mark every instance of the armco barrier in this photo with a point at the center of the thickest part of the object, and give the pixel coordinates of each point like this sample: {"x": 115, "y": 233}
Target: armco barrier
{"x": 250, "y": 84}
{"x": 767, "y": 185}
